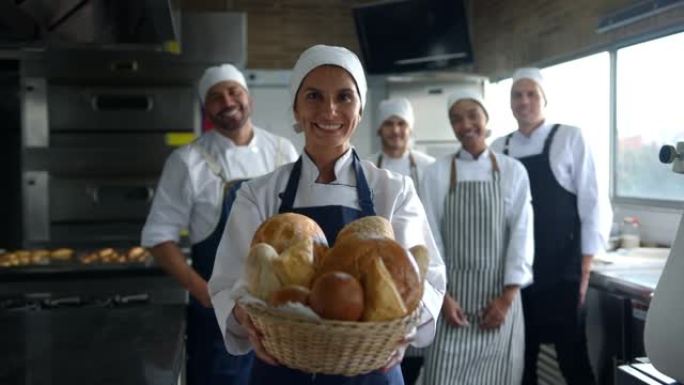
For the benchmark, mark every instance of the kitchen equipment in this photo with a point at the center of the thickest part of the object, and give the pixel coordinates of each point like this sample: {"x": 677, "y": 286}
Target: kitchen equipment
{"x": 664, "y": 333}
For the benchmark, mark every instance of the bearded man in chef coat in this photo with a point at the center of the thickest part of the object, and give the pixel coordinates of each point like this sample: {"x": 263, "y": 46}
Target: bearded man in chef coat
{"x": 571, "y": 224}
{"x": 195, "y": 192}
{"x": 395, "y": 131}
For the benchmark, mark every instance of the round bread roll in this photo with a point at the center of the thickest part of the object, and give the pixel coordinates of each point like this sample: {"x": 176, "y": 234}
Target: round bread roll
{"x": 281, "y": 230}
{"x": 337, "y": 296}
{"x": 367, "y": 227}
{"x": 291, "y": 293}
{"x": 356, "y": 257}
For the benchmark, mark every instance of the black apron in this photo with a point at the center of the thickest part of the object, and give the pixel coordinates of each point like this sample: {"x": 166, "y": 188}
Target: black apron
{"x": 208, "y": 361}
{"x": 550, "y": 304}
{"x": 331, "y": 219}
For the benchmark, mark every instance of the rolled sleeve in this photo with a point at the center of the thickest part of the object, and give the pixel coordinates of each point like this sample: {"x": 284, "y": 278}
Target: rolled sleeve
{"x": 411, "y": 227}
{"x": 520, "y": 221}
{"x": 243, "y": 221}
{"x": 171, "y": 206}
{"x": 593, "y": 205}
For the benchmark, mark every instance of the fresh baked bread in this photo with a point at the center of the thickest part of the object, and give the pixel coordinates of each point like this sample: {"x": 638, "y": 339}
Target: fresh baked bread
{"x": 367, "y": 227}
{"x": 422, "y": 256}
{"x": 261, "y": 277}
{"x": 281, "y": 230}
{"x": 338, "y": 296}
{"x": 357, "y": 257}
{"x": 383, "y": 301}
{"x": 287, "y": 294}
{"x": 295, "y": 265}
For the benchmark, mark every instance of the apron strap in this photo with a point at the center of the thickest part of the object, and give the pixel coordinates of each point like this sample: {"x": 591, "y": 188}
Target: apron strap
{"x": 288, "y": 196}
{"x": 508, "y": 141}
{"x": 212, "y": 162}
{"x": 378, "y": 163}
{"x": 492, "y": 158}
{"x": 363, "y": 191}
{"x": 549, "y": 139}
{"x": 414, "y": 169}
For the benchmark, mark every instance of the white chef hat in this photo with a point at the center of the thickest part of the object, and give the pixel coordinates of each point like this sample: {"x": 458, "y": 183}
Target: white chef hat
{"x": 217, "y": 74}
{"x": 399, "y": 107}
{"x": 530, "y": 73}
{"x": 466, "y": 93}
{"x": 319, "y": 55}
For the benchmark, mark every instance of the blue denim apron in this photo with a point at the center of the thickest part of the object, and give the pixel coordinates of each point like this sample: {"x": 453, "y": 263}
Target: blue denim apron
{"x": 331, "y": 219}
{"x": 208, "y": 361}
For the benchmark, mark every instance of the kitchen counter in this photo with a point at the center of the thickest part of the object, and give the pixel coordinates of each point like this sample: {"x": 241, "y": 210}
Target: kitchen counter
{"x": 632, "y": 273}
{"x": 133, "y": 344}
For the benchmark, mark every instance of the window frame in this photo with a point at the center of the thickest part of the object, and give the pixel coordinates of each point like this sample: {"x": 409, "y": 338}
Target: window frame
{"x": 611, "y": 49}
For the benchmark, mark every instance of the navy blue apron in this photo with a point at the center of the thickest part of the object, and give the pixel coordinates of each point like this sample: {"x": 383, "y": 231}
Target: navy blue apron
{"x": 331, "y": 219}
{"x": 208, "y": 361}
{"x": 550, "y": 304}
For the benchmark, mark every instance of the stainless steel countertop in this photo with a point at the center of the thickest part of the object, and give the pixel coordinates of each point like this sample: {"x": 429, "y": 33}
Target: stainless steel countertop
{"x": 632, "y": 273}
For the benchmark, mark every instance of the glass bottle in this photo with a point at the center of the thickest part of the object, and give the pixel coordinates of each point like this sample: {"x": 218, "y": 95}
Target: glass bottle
{"x": 630, "y": 236}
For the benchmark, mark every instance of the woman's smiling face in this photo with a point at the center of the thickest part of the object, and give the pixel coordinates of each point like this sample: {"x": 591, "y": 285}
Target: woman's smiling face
{"x": 328, "y": 109}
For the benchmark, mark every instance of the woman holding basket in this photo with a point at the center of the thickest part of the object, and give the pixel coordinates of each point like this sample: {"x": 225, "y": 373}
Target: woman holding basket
{"x": 331, "y": 185}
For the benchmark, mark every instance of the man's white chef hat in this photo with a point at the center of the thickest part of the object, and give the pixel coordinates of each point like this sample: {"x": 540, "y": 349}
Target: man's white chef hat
{"x": 217, "y": 74}
{"x": 466, "y": 93}
{"x": 530, "y": 73}
{"x": 319, "y": 55}
{"x": 399, "y": 107}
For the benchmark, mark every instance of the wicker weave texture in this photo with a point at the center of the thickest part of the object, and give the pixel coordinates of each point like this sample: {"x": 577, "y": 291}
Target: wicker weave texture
{"x": 329, "y": 347}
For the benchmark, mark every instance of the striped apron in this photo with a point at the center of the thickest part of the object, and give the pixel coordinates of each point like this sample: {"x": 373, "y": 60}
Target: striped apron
{"x": 475, "y": 239}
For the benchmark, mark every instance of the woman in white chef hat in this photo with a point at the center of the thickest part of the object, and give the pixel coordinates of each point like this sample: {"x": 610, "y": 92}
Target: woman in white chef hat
{"x": 330, "y": 184}
{"x": 478, "y": 204}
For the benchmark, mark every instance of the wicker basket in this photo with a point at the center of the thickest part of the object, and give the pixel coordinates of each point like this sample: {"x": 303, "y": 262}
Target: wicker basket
{"x": 329, "y": 347}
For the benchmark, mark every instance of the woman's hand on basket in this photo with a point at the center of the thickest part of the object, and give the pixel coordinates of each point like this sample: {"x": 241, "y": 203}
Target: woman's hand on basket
{"x": 398, "y": 353}
{"x": 253, "y": 334}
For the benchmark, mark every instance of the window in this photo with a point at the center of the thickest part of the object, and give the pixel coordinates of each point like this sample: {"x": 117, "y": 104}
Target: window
{"x": 649, "y": 113}
{"x": 578, "y": 94}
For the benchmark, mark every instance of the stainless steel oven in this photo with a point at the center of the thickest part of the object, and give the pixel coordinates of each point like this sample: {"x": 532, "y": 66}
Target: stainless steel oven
{"x": 94, "y": 148}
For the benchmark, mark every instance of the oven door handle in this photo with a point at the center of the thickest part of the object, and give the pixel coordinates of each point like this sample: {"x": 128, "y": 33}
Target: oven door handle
{"x": 94, "y": 193}
{"x": 150, "y": 194}
{"x": 120, "y": 102}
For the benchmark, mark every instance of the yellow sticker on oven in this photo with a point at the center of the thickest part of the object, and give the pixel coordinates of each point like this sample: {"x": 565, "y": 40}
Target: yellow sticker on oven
{"x": 177, "y": 139}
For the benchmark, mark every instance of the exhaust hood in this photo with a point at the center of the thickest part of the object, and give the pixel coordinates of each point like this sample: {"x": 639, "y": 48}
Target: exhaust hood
{"x": 101, "y": 24}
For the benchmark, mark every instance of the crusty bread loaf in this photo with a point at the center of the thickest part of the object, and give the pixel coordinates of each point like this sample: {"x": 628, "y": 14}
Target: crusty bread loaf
{"x": 281, "y": 230}
{"x": 356, "y": 257}
{"x": 422, "y": 256}
{"x": 383, "y": 301}
{"x": 338, "y": 296}
{"x": 261, "y": 277}
{"x": 295, "y": 265}
{"x": 287, "y": 294}
{"x": 367, "y": 227}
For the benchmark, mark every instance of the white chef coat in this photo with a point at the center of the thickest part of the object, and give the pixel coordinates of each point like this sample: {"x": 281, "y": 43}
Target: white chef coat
{"x": 189, "y": 194}
{"x": 515, "y": 188}
{"x": 573, "y": 166}
{"x": 402, "y": 165}
{"x": 394, "y": 198}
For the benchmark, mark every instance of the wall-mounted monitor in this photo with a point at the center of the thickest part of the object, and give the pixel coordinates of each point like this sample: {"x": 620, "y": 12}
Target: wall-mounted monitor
{"x": 412, "y": 35}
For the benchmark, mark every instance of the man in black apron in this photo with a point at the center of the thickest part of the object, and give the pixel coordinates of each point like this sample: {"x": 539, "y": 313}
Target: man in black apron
{"x": 568, "y": 213}
{"x": 196, "y": 191}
